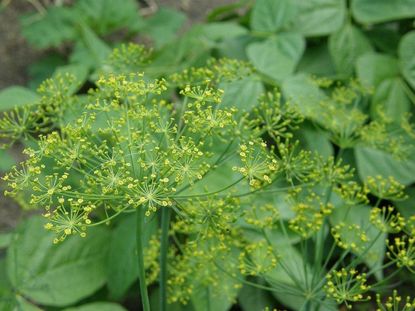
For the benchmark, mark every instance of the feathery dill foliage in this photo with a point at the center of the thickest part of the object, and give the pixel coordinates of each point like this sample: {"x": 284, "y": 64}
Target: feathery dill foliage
{"x": 130, "y": 149}
{"x": 280, "y": 214}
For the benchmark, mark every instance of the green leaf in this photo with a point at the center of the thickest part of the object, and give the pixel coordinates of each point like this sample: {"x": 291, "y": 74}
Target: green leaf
{"x": 5, "y": 239}
{"x": 278, "y": 56}
{"x": 56, "y": 275}
{"x": 224, "y": 30}
{"x": 15, "y": 96}
{"x": 319, "y": 17}
{"x": 51, "y": 29}
{"x": 252, "y": 298}
{"x": 105, "y": 16}
{"x": 379, "y": 11}
{"x": 372, "y": 162}
{"x": 360, "y": 215}
{"x": 242, "y": 94}
{"x": 315, "y": 140}
{"x": 163, "y": 26}
{"x": 374, "y": 68}
{"x": 384, "y": 37}
{"x": 44, "y": 68}
{"x": 271, "y": 16}
{"x": 317, "y": 61}
{"x": 207, "y": 298}
{"x": 96, "y": 47}
{"x": 6, "y": 161}
{"x": 346, "y": 46}
{"x": 98, "y": 306}
{"x": 391, "y": 100}
{"x": 406, "y": 207}
{"x": 303, "y": 93}
{"x": 407, "y": 56}
{"x": 122, "y": 259}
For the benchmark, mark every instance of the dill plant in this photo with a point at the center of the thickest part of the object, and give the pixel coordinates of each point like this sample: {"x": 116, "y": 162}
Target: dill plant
{"x": 283, "y": 218}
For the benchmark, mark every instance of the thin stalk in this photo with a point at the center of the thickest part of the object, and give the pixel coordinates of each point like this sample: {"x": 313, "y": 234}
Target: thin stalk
{"x": 164, "y": 243}
{"x": 140, "y": 259}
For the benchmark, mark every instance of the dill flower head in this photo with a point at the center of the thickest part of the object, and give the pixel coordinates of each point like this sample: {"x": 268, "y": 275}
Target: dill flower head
{"x": 257, "y": 258}
{"x": 402, "y": 252}
{"x": 347, "y": 285}
{"x": 350, "y": 236}
{"x": 387, "y": 220}
{"x": 309, "y": 215}
{"x": 263, "y": 216}
{"x": 395, "y": 303}
{"x": 352, "y": 193}
{"x": 131, "y": 148}
{"x": 385, "y": 188}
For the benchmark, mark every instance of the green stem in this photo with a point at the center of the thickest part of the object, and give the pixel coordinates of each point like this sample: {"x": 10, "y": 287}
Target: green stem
{"x": 140, "y": 258}
{"x": 164, "y": 242}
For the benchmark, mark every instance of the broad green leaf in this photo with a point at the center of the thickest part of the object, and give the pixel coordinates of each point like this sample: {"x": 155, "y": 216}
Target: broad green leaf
{"x": 317, "y": 61}
{"x": 16, "y": 96}
{"x": 300, "y": 91}
{"x": 207, "y": 297}
{"x": 122, "y": 259}
{"x": 6, "y": 161}
{"x": 373, "y": 68}
{"x": 224, "y": 30}
{"x": 359, "y": 215}
{"x": 346, "y": 46}
{"x": 406, "y": 52}
{"x": 56, "y": 275}
{"x": 98, "y": 306}
{"x": 163, "y": 26}
{"x": 96, "y": 47}
{"x": 406, "y": 207}
{"x": 315, "y": 140}
{"x": 372, "y": 162}
{"x": 105, "y": 16}
{"x": 5, "y": 239}
{"x": 7, "y": 297}
{"x": 278, "y": 56}
{"x": 319, "y": 17}
{"x": 385, "y": 37}
{"x": 379, "y": 11}
{"x": 242, "y": 94}
{"x": 271, "y": 16}
{"x": 50, "y": 29}
{"x": 252, "y": 298}
{"x": 24, "y": 305}
{"x": 44, "y": 68}
{"x": 391, "y": 100}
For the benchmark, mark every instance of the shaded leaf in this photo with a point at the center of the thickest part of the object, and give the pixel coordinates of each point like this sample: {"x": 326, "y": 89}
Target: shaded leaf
{"x": 98, "y": 306}
{"x": 319, "y": 17}
{"x": 272, "y": 16}
{"x": 379, "y": 11}
{"x": 346, "y": 46}
{"x": 372, "y": 162}
{"x": 390, "y": 99}
{"x": 56, "y": 275}
{"x": 374, "y": 68}
{"x": 278, "y": 56}
{"x": 15, "y": 96}
{"x": 406, "y": 52}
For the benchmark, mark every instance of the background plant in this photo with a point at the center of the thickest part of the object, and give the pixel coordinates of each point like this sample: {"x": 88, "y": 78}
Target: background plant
{"x": 333, "y": 214}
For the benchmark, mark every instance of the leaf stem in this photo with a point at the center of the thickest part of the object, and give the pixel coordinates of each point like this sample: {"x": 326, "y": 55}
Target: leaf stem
{"x": 140, "y": 258}
{"x": 164, "y": 242}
